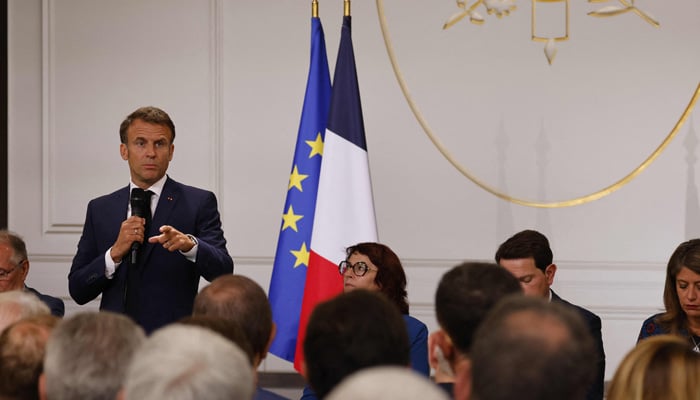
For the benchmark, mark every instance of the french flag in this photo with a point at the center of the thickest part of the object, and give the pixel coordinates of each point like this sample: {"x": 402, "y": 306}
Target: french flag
{"x": 344, "y": 204}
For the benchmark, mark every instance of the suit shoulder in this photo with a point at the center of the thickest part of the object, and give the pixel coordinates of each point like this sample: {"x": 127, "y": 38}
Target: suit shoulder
{"x": 652, "y": 320}
{"x": 588, "y": 315}
{"x": 263, "y": 394}
{"x": 124, "y": 191}
{"x": 189, "y": 189}
{"x": 413, "y": 322}
{"x": 55, "y": 304}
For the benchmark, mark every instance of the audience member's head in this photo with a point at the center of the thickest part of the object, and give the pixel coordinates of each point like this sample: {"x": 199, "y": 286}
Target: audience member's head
{"x": 530, "y": 349}
{"x": 227, "y": 328}
{"x": 240, "y": 299}
{"x": 463, "y": 297}
{"x": 375, "y": 267}
{"x": 17, "y": 304}
{"x": 22, "y": 347}
{"x": 87, "y": 356}
{"x": 528, "y": 257}
{"x": 183, "y": 362}
{"x": 465, "y": 294}
{"x": 14, "y": 265}
{"x": 661, "y": 367}
{"x": 683, "y": 269}
{"x": 352, "y": 331}
{"x": 386, "y": 383}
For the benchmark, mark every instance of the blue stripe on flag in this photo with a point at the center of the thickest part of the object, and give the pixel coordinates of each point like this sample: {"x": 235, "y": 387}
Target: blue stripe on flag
{"x": 346, "y": 106}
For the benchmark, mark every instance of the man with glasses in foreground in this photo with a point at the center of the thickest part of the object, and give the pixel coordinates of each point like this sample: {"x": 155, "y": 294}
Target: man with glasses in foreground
{"x": 14, "y": 267}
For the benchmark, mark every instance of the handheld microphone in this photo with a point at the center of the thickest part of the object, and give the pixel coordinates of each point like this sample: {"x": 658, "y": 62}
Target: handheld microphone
{"x": 138, "y": 208}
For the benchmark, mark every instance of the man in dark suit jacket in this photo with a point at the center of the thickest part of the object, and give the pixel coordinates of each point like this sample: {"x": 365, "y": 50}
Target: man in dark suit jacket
{"x": 155, "y": 283}
{"x": 14, "y": 267}
{"x": 528, "y": 257}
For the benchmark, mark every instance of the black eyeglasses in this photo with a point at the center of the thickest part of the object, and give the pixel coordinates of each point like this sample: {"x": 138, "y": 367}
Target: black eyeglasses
{"x": 6, "y": 272}
{"x": 359, "y": 268}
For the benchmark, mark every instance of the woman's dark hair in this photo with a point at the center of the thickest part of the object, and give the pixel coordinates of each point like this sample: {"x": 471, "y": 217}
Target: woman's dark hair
{"x": 687, "y": 255}
{"x": 391, "y": 277}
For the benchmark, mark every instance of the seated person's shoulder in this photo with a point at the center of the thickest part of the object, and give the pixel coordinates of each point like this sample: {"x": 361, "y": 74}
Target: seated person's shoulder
{"x": 55, "y": 304}
{"x": 651, "y": 327}
{"x": 587, "y": 315}
{"x": 263, "y": 394}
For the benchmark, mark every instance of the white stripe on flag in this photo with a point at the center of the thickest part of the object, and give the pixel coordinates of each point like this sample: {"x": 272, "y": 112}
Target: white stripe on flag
{"x": 344, "y": 206}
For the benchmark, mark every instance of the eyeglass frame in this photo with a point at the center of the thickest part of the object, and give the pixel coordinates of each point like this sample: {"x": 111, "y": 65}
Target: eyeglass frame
{"x": 345, "y": 265}
{"x": 4, "y": 273}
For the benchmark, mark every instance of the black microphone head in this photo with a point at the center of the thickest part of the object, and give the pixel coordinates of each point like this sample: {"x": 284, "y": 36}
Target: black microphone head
{"x": 138, "y": 202}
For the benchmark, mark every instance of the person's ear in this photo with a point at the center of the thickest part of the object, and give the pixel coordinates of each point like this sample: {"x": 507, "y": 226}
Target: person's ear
{"x": 463, "y": 379}
{"x": 121, "y": 395}
{"x": 549, "y": 273}
{"x": 273, "y": 332}
{"x": 25, "y": 270}
{"x": 441, "y": 354}
{"x": 123, "y": 151}
{"x": 303, "y": 370}
{"x": 42, "y": 386}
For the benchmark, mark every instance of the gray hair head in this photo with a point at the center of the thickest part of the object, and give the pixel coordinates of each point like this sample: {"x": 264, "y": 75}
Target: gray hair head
{"x": 388, "y": 383}
{"x": 87, "y": 355}
{"x": 17, "y": 304}
{"x": 181, "y": 362}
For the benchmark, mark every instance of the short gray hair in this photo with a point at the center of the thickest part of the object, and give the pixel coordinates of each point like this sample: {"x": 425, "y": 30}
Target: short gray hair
{"x": 16, "y": 243}
{"x": 387, "y": 382}
{"x": 87, "y": 355}
{"x": 17, "y": 304}
{"x": 181, "y": 362}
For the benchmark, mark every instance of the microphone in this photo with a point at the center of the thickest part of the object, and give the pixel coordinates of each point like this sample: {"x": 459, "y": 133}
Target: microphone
{"x": 138, "y": 208}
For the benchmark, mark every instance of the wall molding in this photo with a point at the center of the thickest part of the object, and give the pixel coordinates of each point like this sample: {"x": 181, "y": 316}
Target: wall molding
{"x": 49, "y": 220}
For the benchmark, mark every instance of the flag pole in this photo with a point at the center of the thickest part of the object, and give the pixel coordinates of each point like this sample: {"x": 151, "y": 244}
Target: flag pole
{"x": 346, "y": 8}
{"x": 314, "y": 9}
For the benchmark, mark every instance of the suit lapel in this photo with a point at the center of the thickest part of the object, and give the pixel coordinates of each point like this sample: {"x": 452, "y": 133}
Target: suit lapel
{"x": 117, "y": 212}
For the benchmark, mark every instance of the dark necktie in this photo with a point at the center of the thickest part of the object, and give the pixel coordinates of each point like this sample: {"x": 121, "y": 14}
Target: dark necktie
{"x": 147, "y": 210}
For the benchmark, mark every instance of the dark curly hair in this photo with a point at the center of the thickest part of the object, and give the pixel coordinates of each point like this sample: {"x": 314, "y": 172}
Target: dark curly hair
{"x": 391, "y": 277}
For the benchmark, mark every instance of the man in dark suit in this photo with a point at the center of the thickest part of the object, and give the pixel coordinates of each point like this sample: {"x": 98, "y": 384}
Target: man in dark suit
{"x": 528, "y": 257}
{"x": 154, "y": 282}
{"x": 14, "y": 267}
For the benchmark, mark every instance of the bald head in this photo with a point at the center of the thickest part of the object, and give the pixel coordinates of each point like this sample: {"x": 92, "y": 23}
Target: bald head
{"x": 239, "y": 299}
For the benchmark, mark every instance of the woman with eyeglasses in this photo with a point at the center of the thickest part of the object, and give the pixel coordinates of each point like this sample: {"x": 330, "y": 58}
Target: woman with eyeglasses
{"x": 375, "y": 267}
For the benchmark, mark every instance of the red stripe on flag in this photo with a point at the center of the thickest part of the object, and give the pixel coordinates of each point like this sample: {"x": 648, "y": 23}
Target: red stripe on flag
{"x": 323, "y": 281}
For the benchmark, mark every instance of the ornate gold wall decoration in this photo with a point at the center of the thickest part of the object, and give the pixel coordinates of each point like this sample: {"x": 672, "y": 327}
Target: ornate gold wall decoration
{"x": 618, "y": 182}
{"x": 504, "y": 7}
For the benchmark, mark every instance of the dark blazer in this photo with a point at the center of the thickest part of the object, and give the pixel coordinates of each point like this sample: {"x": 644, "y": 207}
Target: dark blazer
{"x": 595, "y": 392}
{"x": 168, "y": 281}
{"x": 651, "y": 327}
{"x": 263, "y": 394}
{"x": 55, "y": 304}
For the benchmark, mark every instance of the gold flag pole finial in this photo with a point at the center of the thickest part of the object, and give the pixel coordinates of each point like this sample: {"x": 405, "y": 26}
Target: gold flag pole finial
{"x": 314, "y": 8}
{"x": 346, "y": 9}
